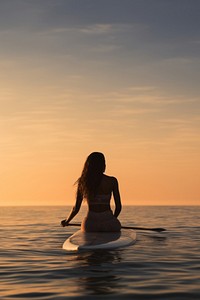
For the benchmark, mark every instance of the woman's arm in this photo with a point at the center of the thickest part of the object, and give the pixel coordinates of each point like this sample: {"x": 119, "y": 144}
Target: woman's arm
{"x": 117, "y": 198}
{"x": 75, "y": 209}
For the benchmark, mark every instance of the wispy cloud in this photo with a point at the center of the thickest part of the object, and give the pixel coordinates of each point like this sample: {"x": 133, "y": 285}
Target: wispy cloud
{"x": 97, "y": 29}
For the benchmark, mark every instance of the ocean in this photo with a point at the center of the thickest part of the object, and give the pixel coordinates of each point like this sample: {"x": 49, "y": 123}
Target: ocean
{"x": 158, "y": 266}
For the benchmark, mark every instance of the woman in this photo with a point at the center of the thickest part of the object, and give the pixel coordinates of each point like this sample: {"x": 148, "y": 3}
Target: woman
{"x": 97, "y": 188}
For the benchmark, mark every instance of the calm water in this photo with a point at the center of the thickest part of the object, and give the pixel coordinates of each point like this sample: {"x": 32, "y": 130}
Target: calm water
{"x": 159, "y": 266}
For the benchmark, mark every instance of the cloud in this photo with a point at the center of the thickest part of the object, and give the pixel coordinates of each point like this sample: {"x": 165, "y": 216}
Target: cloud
{"x": 96, "y": 29}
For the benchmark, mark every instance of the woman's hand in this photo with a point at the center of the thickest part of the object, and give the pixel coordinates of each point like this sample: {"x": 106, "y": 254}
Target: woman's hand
{"x": 64, "y": 223}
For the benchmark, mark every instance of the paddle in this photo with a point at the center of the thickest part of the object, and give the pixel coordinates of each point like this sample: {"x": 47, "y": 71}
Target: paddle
{"x": 128, "y": 227}
{"x": 142, "y": 228}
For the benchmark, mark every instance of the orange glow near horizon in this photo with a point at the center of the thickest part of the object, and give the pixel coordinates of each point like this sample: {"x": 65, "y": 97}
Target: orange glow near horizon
{"x": 46, "y": 176}
{"x": 43, "y": 153}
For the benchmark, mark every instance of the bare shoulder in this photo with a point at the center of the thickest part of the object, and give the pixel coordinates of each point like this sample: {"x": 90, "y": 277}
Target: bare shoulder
{"x": 111, "y": 180}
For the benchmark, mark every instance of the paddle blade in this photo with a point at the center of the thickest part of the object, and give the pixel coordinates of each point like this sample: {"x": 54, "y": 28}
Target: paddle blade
{"x": 142, "y": 228}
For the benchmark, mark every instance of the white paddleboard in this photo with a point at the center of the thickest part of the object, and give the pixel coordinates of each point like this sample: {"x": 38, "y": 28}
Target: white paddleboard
{"x": 99, "y": 240}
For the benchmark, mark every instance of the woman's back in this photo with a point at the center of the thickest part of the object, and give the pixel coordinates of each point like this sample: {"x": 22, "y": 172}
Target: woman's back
{"x": 100, "y": 216}
{"x": 100, "y": 202}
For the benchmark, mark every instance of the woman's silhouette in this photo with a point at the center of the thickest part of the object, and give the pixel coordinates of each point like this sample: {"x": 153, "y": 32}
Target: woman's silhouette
{"x": 97, "y": 188}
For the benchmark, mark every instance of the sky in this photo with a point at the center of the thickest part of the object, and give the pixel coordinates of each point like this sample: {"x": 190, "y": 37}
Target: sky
{"x": 116, "y": 76}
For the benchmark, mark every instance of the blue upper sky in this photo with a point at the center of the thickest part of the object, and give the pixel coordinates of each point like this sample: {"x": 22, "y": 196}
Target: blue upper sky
{"x": 132, "y": 36}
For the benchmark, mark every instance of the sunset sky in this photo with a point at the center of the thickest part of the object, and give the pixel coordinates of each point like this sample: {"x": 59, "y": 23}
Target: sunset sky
{"x": 117, "y": 76}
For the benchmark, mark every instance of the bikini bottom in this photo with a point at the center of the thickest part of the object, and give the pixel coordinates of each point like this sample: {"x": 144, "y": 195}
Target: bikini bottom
{"x": 100, "y": 221}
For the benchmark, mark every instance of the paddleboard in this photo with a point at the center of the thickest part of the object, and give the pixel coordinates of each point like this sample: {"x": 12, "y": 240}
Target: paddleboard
{"x": 99, "y": 240}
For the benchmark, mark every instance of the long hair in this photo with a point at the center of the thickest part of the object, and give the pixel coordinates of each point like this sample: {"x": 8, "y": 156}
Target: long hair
{"x": 92, "y": 174}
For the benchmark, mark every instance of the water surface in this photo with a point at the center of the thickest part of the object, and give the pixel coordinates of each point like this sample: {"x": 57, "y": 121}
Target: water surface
{"x": 159, "y": 266}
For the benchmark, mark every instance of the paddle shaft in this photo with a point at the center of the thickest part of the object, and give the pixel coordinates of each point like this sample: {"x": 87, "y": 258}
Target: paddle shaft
{"x": 127, "y": 227}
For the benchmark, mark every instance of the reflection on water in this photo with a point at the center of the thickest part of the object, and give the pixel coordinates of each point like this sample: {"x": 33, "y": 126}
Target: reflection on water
{"x": 98, "y": 277}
